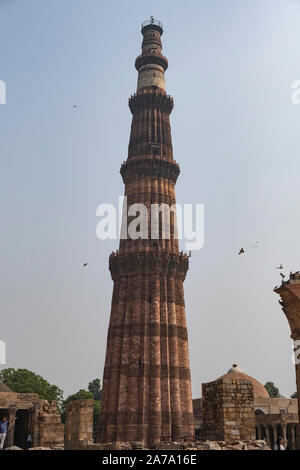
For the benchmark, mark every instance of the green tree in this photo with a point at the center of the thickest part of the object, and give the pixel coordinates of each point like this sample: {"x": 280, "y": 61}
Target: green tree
{"x": 94, "y": 393}
{"x": 97, "y": 408}
{"x": 81, "y": 395}
{"x": 95, "y": 388}
{"x": 272, "y": 390}
{"x": 294, "y": 395}
{"x": 26, "y": 381}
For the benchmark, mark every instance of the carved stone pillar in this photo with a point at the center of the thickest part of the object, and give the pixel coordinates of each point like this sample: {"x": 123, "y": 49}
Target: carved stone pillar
{"x": 11, "y": 427}
{"x": 283, "y": 425}
{"x": 293, "y": 443}
{"x": 274, "y": 427}
{"x": 268, "y": 435}
{"x": 35, "y": 426}
{"x": 290, "y": 302}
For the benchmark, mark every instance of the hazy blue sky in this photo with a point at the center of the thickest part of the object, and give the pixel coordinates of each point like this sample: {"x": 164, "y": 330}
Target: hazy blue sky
{"x": 236, "y": 136}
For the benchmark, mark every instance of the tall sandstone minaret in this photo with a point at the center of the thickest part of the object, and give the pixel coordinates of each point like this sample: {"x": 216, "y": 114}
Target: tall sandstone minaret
{"x": 146, "y": 383}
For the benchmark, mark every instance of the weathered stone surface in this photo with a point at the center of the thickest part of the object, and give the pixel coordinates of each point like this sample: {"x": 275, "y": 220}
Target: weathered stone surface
{"x": 51, "y": 430}
{"x": 211, "y": 445}
{"x": 13, "y": 448}
{"x": 79, "y": 423}
{"x": 42, "y": 420}
{"x": 290, "y": 301}
{"x": 146, "y": 394}
{"x": 227, "y": 414}
{"x": 197, "y": 446}
{"x": 138, "y": 445}
{"x": 40, "y": 448}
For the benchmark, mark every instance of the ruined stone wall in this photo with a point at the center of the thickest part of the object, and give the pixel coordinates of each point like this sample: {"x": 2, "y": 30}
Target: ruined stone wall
{"x": 228, "y": 410}
{"x": 79, "y": 423}
{"x": 44, "y": 421}
{"x": 275, "y": 405}
{"x": 289, "y": 292}
{"x": 49, "y": 426}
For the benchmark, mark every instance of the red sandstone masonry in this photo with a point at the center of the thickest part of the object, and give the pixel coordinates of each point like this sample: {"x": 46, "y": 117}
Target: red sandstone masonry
{"x": 290, "y": 302}
{"x": 146, "y": 383}
{"x": 79, "y": 423}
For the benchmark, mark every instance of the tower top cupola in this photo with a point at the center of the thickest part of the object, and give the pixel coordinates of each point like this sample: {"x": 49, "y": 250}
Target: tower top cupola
{"x": 152, "y": 24}
{"x": 151, "y": 64}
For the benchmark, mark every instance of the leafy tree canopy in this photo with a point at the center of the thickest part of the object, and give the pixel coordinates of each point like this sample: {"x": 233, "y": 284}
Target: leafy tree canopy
{"x": 97, "y": 408}
{"x": 26, "y": 381}
{"x": 95, "y": 388}
{"x": 294, "y": 395}
{"x": 81, "y": 395}
{"x": 272, "y": 390}
{"x": 93, "y": 392}
{"x": 84, "y": 395}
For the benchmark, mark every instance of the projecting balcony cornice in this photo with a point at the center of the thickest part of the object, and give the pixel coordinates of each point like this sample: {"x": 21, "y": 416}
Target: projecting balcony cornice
{"x": 151, "y": 97}
{"x": 149, "y": 166}
{"x": 151, "y": 58}
{"x": 148, "y": 263}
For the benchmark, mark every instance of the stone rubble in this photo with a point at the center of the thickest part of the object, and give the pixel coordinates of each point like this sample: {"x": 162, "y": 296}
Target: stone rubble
{"x": 13, "y": 448}
{"x": 197, "y": 446}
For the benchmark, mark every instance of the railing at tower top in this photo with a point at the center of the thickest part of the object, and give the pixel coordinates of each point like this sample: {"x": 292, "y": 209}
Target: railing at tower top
{"x": 152, "y": 21}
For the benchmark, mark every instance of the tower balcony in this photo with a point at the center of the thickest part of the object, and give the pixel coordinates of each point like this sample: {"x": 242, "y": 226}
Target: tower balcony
{"x": 152, "y": 24}
{"x": 151, "y": 97}
{"x": 151, "y": 58}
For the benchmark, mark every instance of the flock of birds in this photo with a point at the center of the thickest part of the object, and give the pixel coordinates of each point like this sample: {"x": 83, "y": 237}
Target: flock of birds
{"x": 241, "y": 252}
{"x": 88, "y": 264}
{"x": 280, "y": 268}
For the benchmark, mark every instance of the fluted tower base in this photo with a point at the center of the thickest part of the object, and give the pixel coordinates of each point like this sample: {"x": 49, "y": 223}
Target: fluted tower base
{"x": 146, "y": 384}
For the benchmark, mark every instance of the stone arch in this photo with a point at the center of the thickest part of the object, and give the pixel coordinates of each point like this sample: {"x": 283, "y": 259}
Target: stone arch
{"x": 259, "y": 411}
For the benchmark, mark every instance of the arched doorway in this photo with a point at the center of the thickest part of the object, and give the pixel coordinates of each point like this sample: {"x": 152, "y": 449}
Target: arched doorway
{"x": 21, "y": 428}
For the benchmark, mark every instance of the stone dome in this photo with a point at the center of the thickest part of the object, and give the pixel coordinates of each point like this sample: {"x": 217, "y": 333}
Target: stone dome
{"x": 236, "y": 373}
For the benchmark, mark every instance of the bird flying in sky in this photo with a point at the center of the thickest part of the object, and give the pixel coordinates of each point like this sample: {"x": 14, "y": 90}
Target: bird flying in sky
{"x": 241, "y": 251}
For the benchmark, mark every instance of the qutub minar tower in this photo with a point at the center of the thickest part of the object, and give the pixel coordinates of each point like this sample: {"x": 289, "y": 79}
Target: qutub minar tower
{"x": 146, "y": 392}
